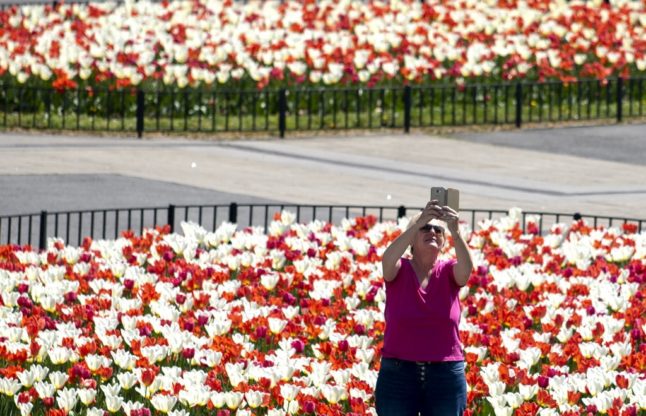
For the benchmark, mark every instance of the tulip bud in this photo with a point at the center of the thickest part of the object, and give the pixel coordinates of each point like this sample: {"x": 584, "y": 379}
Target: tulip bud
{"x": 289, "y": 299}
{"x": 635, "y": 334}
{"x": 261, "y": 332}
{"x": 309, "y": 407}
{"x": 189, "y": 326}
{"x": 24, "y": 302}
{"x": 129, "y": 284}
{"x": 527, "y": 323}
{"x": 591, "y": 409}
{"x": 188, "y": 353}
{"x": 180, "y": 298}
{"x": 298, "y": 345}
{"x": 70, "y": 297}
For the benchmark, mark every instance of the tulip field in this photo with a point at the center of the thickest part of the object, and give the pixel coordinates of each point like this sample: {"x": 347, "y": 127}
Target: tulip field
{"x": 183, "y": 43}
{"x": 289, "y": 320}
{"x": 79, "y": 65}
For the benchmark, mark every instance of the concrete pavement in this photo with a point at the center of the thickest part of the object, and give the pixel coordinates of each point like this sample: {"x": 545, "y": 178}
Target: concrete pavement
{"x": 369, "y": 170}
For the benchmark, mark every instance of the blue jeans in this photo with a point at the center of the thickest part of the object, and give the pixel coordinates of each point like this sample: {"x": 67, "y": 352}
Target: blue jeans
{"x": 407, "y": 388}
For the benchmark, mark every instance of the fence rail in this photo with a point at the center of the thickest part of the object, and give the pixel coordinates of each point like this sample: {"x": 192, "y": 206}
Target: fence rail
{"x": 74, "y": 226}
{"x": 283, "y": 110}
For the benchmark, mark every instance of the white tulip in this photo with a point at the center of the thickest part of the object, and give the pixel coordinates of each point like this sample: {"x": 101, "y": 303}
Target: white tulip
{"x": 195, "y": 396}
{"x": 25, "y": 408}
{"x": 254, "y": 398}
{"x": 497, "y": 388}
{"x": 110, "y": 389}
{"x": 527, "y": 392}
{"x": 22, "y": 77}
{"x": 86, "y": 396}
{"x": 27, "y": 378}
{"x": 126, "y": 380}
{"x": 217, "y": 399}
{"x": 233, "y": 399}
{"x": 269, "y": 280}
{"x": 333, "y": 394}
{"x": 288, "y": 392}
{"x": 316, "y": 76}
{"x": 163, "y": 403}
{"x": 223, "y": 76}
{"x": 9, "y": 387}
{"x": 276, "y": 325}
{"x": 44, "y": 389}
{"x": 113, "y": 403}
{"x": 66, "y": 399}
{"x": 58, "y": 379}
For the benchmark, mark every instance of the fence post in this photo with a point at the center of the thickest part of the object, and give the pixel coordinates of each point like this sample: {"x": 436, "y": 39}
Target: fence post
{"x": 42, "y": 237}
{"x": 171, "y": 217}
{"x": 519, "y": 104}
{"x": 140, "y": 113}
{"x": 282, "y": 112}
{"x": 620, "y": 98}
{"x": 407, "y": 108}
{"x": 233, "y": 212}
{"x": 401, "y": 211}
{"x": 5, "y": 92}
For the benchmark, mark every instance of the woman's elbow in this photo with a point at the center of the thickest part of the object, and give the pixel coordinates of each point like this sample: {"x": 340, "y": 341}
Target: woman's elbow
{"x": 462, "y": 275}
{"x": 389, "y": 271}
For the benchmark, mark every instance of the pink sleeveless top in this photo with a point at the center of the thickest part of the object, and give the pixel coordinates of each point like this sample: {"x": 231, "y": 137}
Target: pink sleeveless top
{"x": 422, "y": 324}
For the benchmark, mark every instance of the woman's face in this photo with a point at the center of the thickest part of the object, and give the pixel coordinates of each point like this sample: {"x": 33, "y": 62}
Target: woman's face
{"x": 430, "y": 236}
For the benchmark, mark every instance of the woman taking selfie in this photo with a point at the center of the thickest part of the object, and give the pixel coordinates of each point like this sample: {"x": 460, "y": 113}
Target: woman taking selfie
{"x": 422, "y": 366}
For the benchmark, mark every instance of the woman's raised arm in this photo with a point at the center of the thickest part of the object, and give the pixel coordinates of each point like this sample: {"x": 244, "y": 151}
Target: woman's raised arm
{"x": 464, "y": 266}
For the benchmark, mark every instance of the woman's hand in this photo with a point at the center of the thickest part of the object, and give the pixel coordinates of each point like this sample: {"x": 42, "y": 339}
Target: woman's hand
{"x": 431, "y": 211}
{"x": 450, "y": 217}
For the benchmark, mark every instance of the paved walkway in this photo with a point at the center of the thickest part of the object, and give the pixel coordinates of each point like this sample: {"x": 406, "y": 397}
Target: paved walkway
{"x": 377, "y": 169}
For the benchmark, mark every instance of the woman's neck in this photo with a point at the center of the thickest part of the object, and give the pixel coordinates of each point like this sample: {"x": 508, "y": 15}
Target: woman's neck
{"x": 424, "y": 264}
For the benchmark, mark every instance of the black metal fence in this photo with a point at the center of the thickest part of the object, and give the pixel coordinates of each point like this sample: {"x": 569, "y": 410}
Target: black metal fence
{"x": 74, "y": 226}
{"x": 301, "y": 109}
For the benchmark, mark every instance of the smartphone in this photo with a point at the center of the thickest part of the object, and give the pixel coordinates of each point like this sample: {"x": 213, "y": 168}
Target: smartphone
{"x": 444, "y": 196}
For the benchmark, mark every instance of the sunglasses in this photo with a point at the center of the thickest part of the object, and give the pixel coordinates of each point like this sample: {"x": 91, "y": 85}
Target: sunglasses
{"x": 436, "y": 228}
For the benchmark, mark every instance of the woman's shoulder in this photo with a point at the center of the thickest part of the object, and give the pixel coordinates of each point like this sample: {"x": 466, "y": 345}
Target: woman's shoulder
{"x": 404, "y": 268}
{"x": 445, "y": 265}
